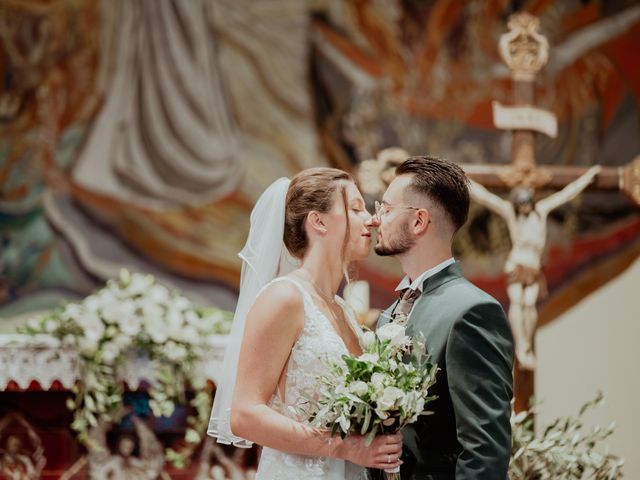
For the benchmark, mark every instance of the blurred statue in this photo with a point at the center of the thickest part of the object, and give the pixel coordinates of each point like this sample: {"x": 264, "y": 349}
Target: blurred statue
{"x": 527, "y": 223}
{"x": 16, "y": 461}
{"x": 126, "y": 463}
{"x": 374, "y": 176}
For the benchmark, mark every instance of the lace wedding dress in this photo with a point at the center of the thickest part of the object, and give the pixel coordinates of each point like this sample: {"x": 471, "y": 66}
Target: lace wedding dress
{"x": 317, "y": 342}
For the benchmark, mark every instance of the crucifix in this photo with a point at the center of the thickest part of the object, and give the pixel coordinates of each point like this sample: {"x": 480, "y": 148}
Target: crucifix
{"x": 526, "y": 51}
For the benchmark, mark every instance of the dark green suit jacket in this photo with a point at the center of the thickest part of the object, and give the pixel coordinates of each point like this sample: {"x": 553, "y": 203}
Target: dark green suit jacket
{"x": 467, "y": 334}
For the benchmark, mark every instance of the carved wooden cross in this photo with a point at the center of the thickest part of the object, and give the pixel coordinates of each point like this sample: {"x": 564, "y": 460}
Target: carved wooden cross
{"x": 525, "y": 51}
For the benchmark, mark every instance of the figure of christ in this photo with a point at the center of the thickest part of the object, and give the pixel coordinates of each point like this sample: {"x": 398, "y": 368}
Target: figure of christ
{"x": 527, "y": 223}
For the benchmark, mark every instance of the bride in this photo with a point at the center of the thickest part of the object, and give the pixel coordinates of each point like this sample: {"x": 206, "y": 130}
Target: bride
{"x": 288, "y": 321}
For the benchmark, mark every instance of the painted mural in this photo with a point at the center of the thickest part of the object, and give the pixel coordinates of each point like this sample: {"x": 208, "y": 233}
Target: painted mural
{"x": 140, "y": 133}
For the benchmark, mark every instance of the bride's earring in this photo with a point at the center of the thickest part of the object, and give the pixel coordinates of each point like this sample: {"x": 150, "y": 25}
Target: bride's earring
{"x": 323, "y": 230}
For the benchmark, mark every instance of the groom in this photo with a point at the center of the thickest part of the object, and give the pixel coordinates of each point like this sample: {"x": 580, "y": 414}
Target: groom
{"x": 466, "y": 331}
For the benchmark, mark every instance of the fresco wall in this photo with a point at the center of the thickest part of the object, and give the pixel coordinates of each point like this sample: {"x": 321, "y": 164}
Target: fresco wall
{"x": 140, "y": 133}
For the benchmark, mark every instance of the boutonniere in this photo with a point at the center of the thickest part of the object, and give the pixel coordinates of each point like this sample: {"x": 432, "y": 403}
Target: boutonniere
{"x": 401, "y": 313}
{"x": 400, "y": 318}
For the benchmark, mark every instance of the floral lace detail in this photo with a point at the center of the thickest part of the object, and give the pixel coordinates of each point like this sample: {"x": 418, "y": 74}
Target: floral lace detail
{"x": 317, "y": 342}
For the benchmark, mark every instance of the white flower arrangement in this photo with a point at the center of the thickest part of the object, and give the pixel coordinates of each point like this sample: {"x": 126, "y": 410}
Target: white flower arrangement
{"x": 379, "y": 392}
{"x": 136, "y": 315}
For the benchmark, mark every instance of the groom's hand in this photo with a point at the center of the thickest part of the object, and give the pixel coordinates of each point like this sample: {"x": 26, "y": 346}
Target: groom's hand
{"x": 384, "y": 451}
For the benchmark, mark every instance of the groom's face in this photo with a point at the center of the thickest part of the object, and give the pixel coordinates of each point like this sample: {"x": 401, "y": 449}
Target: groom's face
{"x": 394, "y": 233}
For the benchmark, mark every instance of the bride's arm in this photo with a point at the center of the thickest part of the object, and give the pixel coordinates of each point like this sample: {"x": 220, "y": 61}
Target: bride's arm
{"x": 272, "y": 327}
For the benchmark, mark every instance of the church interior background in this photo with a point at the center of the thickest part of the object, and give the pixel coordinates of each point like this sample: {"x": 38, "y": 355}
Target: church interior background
{"x": 138, "y": 134}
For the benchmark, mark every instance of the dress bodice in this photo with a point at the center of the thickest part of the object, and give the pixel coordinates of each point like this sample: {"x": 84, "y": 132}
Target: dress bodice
{"x": 316, "y": 346}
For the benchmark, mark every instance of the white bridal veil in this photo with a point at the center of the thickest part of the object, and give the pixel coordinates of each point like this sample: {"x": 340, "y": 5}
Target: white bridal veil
{"x": 264, "y": 257}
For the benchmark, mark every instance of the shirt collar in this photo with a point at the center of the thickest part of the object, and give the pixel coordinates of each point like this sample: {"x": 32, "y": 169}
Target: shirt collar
{"x": 419, "y": 281}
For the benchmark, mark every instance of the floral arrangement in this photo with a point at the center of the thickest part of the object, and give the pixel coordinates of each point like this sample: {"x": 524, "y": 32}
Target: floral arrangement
{"x": 562, "y": 451}
{"x": 135, "y": 315}
{"x": 378, "y": 392}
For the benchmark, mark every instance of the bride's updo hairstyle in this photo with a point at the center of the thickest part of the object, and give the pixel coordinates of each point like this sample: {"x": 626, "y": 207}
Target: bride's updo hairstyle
{"x": 311, "y": 189}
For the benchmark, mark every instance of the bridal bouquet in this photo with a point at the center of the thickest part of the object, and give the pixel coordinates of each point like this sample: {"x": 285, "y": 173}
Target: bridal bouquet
{"x": 378, "y": 392}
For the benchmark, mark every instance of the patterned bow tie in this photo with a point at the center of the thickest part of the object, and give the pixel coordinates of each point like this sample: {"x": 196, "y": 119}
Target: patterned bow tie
{"x": 407, "y": 298}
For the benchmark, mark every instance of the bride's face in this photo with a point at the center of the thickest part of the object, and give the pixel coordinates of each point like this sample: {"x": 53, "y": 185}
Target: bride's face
{"x": 359, "y": 243}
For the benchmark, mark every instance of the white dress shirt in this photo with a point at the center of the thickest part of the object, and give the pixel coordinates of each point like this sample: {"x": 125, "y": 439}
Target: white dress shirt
{"x": 417, "y": 283}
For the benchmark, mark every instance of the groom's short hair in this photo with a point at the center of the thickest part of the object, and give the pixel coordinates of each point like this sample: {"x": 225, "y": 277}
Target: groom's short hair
{"x": 443, "y": 182}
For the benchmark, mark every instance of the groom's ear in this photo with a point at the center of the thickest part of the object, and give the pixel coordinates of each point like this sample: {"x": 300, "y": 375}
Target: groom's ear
{"x": 421, "y": 221}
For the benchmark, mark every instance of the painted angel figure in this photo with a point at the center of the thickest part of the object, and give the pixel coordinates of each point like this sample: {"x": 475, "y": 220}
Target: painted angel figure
{"x": 20, "y": 460}
{"x": 527, "y": 223}
{"x": 14, "y": 463}
{"x": 127, "y": 463}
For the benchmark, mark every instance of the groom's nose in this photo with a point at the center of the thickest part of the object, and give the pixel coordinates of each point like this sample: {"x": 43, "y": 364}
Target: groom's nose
{"x": 373, "y": 222}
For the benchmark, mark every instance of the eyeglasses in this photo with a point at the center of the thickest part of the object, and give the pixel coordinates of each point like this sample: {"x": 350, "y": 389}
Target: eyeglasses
{"x": 381, "y": 209}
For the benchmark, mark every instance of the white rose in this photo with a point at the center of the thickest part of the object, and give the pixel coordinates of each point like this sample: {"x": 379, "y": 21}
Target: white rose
{"x": 377, "y": 380}
{"x": 150, "y": 309}
{"x": 359, "y": 388}
{"x": 368, "y": 339}
{"x": 159, "y": 294}
{"x": 34, "y": 323}
{"x": 50, "y": 325}
{"x": 130, "y": 325}
{"x": 139, "y": 284}
{"x": 389, "y": 397}
{"x": 409, "y": 401}
{"x": 191, "y": 318}
{"x": 122, "y": 341}
{"x": 104, "y": 298}
{"x": 189, "y": 335}
{"x": 109, "y": 352}
{"x": 391, "y": 331}
{"x": 93, "y": 330}
{"x": 174, "y": 320}
{"x": 158, "y": 334}
{"x": 87, "y": 345}
{"x": 174, "y": 351}
{"x": 92, "y": 302}
{"x": 369, "y": 357}
{"x": 73, "y": 311}
{"x": 415, "y": 406}
{"x": 181, "y": 303}
{"x": 118, "y": 311}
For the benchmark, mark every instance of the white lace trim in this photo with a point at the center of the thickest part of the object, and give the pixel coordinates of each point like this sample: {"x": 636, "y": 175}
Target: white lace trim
{"x": 43, "y": 359}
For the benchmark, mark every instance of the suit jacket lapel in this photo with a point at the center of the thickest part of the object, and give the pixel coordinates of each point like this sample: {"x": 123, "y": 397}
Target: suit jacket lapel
{"x": 430, "y": 284}
{"x": 446, "y": 275}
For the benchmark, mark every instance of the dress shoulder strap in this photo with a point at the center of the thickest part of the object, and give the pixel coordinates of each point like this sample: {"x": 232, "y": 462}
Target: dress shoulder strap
{"x": 306, "y": 297}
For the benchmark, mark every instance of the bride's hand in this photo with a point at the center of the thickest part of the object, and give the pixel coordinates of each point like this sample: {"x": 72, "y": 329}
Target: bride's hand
{"x": 384, "y": 451}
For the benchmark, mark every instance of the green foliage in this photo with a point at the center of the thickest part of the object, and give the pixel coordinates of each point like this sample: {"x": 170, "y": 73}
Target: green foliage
{"x": 562, "y": 451}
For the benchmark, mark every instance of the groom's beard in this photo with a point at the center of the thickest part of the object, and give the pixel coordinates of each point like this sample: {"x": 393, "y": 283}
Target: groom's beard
{"x": 402, "y": 243}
